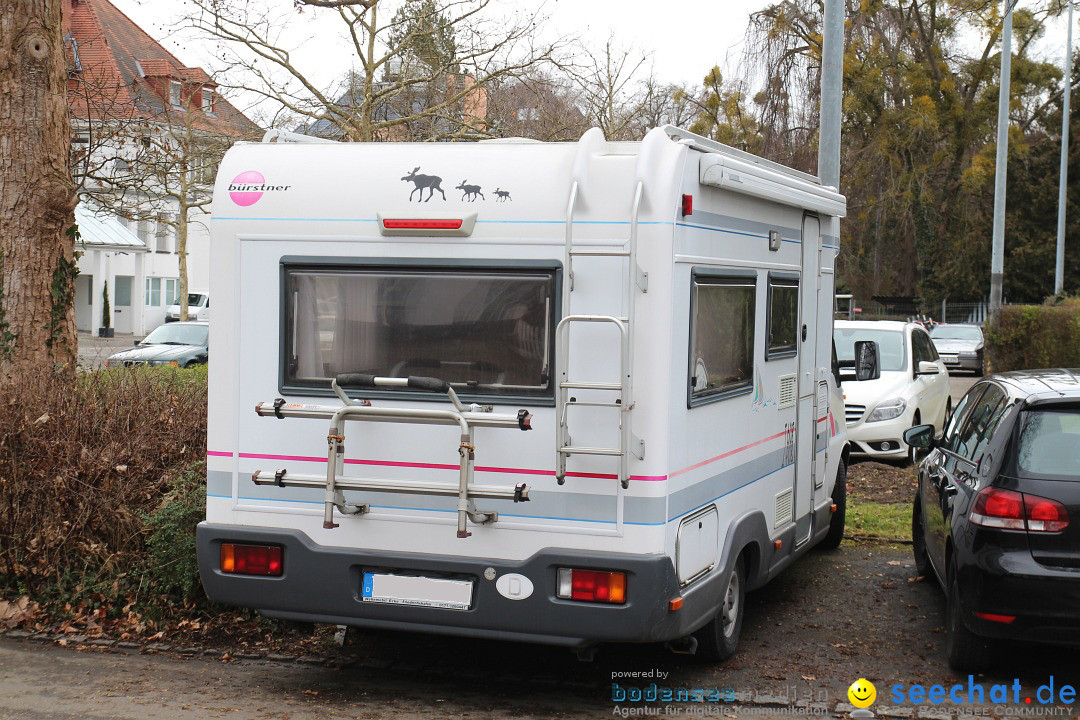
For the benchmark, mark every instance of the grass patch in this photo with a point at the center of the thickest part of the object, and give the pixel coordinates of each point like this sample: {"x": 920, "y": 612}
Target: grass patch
{"x": 887, "y": 521}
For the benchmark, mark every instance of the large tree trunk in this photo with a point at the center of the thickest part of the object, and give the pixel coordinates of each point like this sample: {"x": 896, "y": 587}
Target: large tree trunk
{"x": 37, "y": 195}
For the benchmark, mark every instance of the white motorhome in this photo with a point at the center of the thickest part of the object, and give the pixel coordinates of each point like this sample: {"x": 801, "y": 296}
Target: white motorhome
{"x": 589, "y": 396}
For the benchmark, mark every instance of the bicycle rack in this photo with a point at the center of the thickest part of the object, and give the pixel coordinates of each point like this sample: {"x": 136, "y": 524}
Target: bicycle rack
{"x": 467, "y": 419}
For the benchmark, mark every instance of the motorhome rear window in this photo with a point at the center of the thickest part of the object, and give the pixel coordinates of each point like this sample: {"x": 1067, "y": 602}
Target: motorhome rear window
{"x": 721, "y": 335}
{"x": 487, "y": 332}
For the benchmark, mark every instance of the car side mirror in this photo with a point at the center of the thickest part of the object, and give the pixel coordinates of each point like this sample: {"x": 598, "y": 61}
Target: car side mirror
{"x": 920, "y": 436}
{"x": 136, "y": 344}
{"x": 927, "y": 368}
{"x": 867, "y": 360}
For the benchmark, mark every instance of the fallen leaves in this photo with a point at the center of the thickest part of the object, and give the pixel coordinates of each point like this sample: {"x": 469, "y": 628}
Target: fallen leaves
{"x": 18, "y": 612}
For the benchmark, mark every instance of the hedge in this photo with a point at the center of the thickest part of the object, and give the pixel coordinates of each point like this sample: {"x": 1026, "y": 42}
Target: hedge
{"x": 1024, "y": 337}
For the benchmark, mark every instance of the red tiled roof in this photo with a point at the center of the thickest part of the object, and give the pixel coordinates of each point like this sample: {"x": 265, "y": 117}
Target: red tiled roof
{"x": 121, "y": 73}
{"x": 156, "y": 68}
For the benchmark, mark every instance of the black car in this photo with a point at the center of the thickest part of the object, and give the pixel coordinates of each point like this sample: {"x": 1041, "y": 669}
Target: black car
{"x": 993, "y": 517}
{"x": 181, "y": 344}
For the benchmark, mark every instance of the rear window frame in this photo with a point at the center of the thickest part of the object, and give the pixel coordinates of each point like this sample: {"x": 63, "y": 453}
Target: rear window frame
{"x": 290, "y": 263}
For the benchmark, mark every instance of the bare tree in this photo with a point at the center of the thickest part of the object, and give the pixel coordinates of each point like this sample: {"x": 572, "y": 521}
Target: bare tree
{"x": 159, "y": 171}
{"x": 396, "y": 90}
{"x": 613, "y": 88}
{"x": 37, "y": 264}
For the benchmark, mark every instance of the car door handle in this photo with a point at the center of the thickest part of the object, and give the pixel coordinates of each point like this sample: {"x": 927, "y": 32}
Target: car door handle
{"x": 949, "y": 490}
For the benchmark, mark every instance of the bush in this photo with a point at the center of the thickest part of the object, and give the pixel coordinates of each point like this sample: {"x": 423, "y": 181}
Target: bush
{"x": 83, "y": 467}
{"x": 171, "y": 561}
{"x": 1035, "y": 336}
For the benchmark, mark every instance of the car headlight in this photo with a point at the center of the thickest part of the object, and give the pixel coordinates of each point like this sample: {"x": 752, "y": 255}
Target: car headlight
{"x": 888, "y": 410}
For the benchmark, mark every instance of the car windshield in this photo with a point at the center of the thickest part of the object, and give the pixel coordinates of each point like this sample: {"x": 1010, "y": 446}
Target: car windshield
{"x": 1050, "y": 443}
{"x": 890, "y": 346}
{"x": 193, "y": 299}
{"x": 177, "y": 334}
{"x": 956, "y": 332}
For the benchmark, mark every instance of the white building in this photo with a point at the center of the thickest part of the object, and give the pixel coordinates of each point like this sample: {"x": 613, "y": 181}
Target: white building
{"x": 131, "y": 102}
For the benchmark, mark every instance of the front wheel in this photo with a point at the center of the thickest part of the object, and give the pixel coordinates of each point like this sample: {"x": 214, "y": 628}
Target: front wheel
{"x": 717, "y": 640}
{"x": 912, "y": 456}
{"x": 839, "y": 516}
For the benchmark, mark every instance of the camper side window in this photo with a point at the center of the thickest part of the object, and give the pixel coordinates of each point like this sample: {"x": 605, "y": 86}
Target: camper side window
{"x": 721, "y": 335}
{"x": 486, "y": 332}
{"x": 783, "y": 325}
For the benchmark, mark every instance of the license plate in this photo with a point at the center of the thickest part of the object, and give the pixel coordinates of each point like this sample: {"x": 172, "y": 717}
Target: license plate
{"x": 951, "y": 361}
{"x": 416, "y": 590}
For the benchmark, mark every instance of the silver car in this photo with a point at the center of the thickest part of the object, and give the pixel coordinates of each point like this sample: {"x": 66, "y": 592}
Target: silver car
{"x": 960, "y": 346}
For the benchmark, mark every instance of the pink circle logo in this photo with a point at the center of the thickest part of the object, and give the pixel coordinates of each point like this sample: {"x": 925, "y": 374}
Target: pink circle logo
{"x": 247, "y": 187}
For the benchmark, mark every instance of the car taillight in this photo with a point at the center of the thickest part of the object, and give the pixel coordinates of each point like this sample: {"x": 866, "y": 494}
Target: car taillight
{"x": 1045, "y": 515}
{"x": 592, "y": 586}
{"x": 1010, "y": 510}
{"x": 251, "y": 559}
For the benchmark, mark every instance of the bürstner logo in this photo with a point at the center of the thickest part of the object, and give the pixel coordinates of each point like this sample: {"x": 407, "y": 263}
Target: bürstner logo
{"x": 247, "y": 187}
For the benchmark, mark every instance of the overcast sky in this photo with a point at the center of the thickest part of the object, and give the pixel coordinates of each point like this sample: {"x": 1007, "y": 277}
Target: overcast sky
{"x": 685, "y": 37}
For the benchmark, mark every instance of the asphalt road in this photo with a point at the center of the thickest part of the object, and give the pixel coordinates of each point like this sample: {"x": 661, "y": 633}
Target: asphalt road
{"x": 830, "y": 619}
{"x": 959, "y": 384}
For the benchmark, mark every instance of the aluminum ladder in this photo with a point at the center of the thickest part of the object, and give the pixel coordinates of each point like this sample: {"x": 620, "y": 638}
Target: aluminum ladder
{"x": 623, "y": 387}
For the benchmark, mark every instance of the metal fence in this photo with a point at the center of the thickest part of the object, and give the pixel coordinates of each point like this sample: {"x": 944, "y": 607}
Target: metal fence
{"x": 974, "y": 313}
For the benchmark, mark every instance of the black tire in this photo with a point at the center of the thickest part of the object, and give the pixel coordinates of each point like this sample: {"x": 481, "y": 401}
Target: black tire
{"x": 966, "y": 651}
{"x": 839, "y": 498}
{"x": 718, "y": 640}
{"x": 911, "y": 460}
{"x": 918, "y": 542}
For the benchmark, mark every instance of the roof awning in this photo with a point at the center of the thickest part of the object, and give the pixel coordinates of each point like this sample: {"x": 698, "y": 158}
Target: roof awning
{"x": 102, "y": 231}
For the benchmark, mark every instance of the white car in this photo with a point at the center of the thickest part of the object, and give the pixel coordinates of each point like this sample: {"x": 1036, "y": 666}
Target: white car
{"x": 198, "y": 307}
{"x": 913, "y": 388}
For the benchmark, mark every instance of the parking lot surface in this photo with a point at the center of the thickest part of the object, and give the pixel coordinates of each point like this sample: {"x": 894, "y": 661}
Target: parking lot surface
{"x": 830, "y": 619}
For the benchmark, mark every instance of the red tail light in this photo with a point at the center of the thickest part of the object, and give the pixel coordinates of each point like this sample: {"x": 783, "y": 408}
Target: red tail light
{"x": 1010, "y": 510}
{"x": 251, "y": 559}
{"x": 687, "y": 205}
{"x": 422, "y": 224}
{"x": 592, "y": 586}
{"x": 1045, "y": 515}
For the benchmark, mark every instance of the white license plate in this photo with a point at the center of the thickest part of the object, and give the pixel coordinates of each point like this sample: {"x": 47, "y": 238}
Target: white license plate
{"x": 414, "y": 590}
{"x": 951, "y": 361}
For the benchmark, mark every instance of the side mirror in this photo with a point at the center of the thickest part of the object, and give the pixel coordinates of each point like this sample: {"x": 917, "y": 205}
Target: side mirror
{"x": 920, "y": 436}
{"x": 927, "y": 368}
{"x": 867, "y": 365}
{"x": 136, "y": 344}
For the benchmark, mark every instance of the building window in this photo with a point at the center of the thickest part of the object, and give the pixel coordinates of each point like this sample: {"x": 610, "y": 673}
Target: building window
{"x": 721, "y": 335}
{"x": 174, "y": 93}
{"x": 783, "y": 333}
{"x": 143, "y": 232}
{"x": 172, "y": 292}
{"x": 161, "y": 236}
{"x": 208, "y": 101}
{"x": 153, "y": 292}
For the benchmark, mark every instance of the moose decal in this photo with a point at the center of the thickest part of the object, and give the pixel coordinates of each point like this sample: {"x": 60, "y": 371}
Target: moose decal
{"x": 471, "y": 191}
{"x": 503, "y": 195}
{"x": 431, "y": 182}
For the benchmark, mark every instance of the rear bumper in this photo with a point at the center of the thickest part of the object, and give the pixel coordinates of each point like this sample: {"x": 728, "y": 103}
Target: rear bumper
{"x": 322, "y": 584}
{"x": 1008, "y": 581}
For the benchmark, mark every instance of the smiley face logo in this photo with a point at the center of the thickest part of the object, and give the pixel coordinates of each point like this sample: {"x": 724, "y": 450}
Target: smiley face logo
{"x": 862, "y": 693}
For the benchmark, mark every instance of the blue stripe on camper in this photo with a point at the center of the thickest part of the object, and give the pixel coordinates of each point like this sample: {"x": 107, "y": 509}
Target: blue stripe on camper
{"x": 569, "y": 507}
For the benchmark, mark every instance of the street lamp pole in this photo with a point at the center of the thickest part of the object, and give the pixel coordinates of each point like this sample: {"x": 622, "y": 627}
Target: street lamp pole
{"x": 1063, "y": 177}
{"x": 997, "y": 258}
